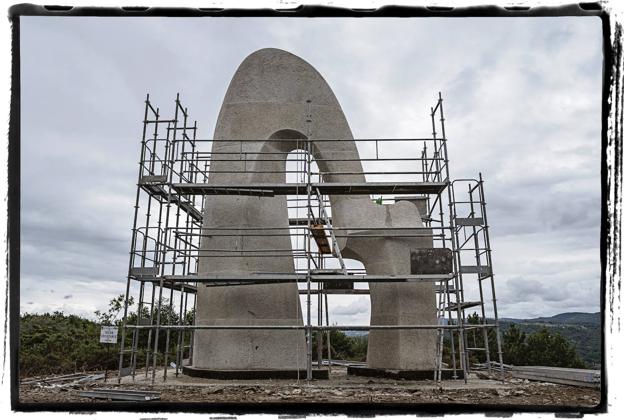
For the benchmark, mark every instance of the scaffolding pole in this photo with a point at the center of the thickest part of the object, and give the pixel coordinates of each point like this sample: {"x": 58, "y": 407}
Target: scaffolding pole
{"x": 165, "y": 244}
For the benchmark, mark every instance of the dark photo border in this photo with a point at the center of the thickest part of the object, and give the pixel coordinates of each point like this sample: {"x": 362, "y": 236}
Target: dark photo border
{"x": 612, "y": 51}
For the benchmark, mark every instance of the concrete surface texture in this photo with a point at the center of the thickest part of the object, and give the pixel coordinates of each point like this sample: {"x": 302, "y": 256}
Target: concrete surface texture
{"x": 570, "y": 376}
{"x": 266, "y": 99}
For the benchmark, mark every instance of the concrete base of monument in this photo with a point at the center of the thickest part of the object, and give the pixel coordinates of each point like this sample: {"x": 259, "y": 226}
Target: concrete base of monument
{"x": 413, "y": 375}
{"x": 253, "y": 373}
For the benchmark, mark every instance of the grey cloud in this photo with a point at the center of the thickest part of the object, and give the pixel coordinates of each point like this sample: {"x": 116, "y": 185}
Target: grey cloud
{"x": 359, "y": 306}
{"x": 524, "y": 290}
{"x": 522, "y": 98}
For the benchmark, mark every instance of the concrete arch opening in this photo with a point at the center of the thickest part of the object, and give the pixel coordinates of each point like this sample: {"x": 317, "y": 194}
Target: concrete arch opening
{"x": 269, "y": 98}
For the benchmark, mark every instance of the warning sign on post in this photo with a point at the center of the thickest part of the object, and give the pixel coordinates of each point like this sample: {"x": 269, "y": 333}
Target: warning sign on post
{"x": 108, "y": 335}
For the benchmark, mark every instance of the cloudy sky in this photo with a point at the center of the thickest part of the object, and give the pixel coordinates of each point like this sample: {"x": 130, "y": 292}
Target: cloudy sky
{"x": 522, "y": 102}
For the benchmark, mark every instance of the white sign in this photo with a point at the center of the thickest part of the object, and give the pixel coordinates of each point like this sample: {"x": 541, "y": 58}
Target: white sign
{"x": 108, "y": 335}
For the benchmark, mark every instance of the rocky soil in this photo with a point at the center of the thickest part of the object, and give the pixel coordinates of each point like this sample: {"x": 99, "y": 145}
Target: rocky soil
{"x": 340, "y": 389}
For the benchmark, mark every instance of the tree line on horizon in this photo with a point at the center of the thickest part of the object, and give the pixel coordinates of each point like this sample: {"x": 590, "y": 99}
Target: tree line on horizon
{"x": 57, "y": 343}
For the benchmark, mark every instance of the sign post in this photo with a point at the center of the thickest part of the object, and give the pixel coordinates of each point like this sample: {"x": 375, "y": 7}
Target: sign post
{"x": 108, "y": 335}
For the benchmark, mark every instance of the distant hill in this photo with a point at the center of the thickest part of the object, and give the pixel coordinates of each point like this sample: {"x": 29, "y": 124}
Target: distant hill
{"x": 581, "y": 328}
{"x": 564, "y": 318}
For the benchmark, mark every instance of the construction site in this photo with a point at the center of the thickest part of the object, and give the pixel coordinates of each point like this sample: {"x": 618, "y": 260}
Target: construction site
{"x": 249, "y": 237}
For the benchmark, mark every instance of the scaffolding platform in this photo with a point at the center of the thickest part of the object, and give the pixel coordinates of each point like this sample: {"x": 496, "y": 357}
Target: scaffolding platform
{"x": 317, "y": 277}
{"x": 329, "y": 188}
{"x": 164, "y": 277}
{"x": 463, "y": 305}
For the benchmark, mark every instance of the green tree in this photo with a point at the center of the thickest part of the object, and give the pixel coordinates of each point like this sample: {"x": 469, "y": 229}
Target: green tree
{"x": 57, "y": 343}
{"x": 514, "y": 346}
{"x": 343, "y": 347}
{"x": 112, "y": 314}
{"x": 475, "y": 339}
{"x": 551, "y": 349}
{"x": 542, "y": 348}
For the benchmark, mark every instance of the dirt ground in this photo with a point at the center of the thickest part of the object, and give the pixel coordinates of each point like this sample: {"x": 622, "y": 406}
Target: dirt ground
{"x": 339, "y": 389}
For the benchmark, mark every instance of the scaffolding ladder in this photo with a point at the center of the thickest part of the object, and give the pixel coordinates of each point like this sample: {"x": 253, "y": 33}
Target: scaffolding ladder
{"x": 472, "y": 239}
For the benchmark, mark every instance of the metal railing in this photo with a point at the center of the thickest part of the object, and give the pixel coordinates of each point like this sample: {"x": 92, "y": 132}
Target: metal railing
{"x": 175, "y": 175}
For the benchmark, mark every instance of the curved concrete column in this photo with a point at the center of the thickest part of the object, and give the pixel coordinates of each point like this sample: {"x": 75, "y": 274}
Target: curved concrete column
{"x": 267, "y": 99}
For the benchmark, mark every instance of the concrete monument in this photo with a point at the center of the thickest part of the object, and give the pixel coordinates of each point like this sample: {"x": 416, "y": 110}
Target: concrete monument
{"x": 267, "y": 99}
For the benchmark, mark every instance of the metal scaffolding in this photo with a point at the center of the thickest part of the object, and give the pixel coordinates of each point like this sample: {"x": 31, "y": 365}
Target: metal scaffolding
{"x": 165, "y": 251}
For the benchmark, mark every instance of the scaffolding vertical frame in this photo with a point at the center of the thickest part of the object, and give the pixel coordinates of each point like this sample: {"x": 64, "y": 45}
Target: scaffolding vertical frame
{"x": 166, "y": 242}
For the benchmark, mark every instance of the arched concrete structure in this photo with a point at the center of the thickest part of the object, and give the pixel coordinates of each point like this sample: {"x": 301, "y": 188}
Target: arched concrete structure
{"x": 267, "y": 99}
